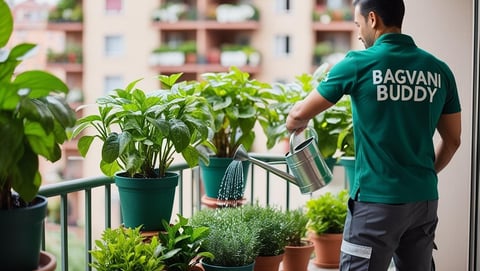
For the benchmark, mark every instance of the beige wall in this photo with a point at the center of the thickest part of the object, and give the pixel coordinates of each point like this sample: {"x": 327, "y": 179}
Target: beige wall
{"x": 444, "y": 28}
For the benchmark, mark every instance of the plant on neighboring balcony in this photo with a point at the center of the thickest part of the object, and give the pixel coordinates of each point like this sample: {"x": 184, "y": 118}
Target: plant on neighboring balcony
{"x": 66, "y": 11}
{"x": 141, "y": 131}
{"x": 34, "y": 119}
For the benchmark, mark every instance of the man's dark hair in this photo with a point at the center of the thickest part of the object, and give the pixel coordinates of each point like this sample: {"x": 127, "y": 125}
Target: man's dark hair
{"x": 390, "y": 11}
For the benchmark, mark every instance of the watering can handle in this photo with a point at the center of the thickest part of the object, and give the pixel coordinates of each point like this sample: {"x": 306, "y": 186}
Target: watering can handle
{"x": 292, "y": 137}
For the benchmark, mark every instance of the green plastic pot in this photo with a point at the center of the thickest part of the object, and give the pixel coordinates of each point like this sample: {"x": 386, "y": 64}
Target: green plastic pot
{"x": 209, "y": 267}
{"x": 145, "y": 201}
{"x": 212, "y": 174}
{"x": 20, "y": 236}
{"x": 348, "y": 162}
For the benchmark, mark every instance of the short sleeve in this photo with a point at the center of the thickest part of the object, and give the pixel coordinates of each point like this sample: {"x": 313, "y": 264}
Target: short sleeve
{"x": 339, "y": 80}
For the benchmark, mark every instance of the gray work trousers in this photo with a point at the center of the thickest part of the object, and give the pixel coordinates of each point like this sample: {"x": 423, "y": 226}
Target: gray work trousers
{"x": 374, "y": 233}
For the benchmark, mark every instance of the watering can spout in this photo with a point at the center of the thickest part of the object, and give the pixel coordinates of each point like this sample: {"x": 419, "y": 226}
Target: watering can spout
{"x": 241, "y": 154}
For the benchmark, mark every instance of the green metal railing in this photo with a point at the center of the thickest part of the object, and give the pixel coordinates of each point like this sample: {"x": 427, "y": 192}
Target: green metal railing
{"x": 65, "y": 188}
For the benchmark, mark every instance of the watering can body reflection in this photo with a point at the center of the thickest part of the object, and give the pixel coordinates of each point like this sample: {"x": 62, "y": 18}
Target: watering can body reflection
{"x": 309, "y": 169}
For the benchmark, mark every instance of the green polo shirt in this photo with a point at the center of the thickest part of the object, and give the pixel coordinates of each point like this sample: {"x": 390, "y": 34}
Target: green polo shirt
{"x": 398, "y": 93}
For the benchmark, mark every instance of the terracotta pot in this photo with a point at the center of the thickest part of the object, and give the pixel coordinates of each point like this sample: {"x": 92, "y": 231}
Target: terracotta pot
{"x": 296, "y": 258}
{"x": 268, "y": 263}
{"x": 196, "y": 268}
{"x": 327, "y": 249}
{"x": 47, "y": 262}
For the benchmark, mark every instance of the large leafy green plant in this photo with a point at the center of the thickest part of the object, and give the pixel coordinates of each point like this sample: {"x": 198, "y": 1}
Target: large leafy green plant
{"x": 327, "y": 213}
{"x": 34, "y": 118}
{"x": 141, "y": 131}
{"x": 238, "y": 104}
{"x": 333, "y": 127}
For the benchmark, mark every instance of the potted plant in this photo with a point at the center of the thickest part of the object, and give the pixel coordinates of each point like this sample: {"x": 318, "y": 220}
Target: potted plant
{"x": 231, "y": 239}
{"x": 126, "y": 249}
{"x": 189, "y": 48}
{"x": 34, "y": 119}
{"x": 272, "y": 234}
{"x": 186, "y": 241}
{"x": 238, "y": 105}
{"x": 233, "y": 55}
{"x": 140, "y": 134}
{"x": 299, "y": 249}
{"x": 326, "y": 220}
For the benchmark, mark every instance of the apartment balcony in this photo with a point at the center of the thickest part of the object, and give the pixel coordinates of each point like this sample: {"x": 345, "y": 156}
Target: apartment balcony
{"x": 65, "y": 26}
{"x": 71, "y": 241}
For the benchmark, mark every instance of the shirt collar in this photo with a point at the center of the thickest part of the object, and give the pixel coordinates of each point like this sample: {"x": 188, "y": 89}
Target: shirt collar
{"x": 395, "y": 38}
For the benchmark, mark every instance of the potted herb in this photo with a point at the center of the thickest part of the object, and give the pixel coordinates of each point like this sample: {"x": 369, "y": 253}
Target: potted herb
{"x": 140, "y": 133}
{"x": 238, "y": 103}
{"x": 126, "y": 249}
{"x": 272, "y": 234}
{"x": 34, "y": 119}
{"x": 186, "y": 241}
{"x": 299, "y": 249}
{"x": 231, "y": 239}
{"x": 326, "y": 220}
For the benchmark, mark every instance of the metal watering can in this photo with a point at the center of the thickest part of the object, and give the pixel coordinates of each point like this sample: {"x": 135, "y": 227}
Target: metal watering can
{"x": 310, "y": 172}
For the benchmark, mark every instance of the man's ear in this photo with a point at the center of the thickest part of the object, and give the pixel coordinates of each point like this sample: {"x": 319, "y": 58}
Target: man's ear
{"x": 373, "y": 19}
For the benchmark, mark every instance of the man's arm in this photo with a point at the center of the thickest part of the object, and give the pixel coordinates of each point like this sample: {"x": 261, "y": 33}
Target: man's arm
{"x": 303, "y": 111}
{"x": 449, "y": 127}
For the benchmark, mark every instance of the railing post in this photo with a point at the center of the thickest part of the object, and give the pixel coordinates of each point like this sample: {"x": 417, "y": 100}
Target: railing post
{"x": 88, "y": 228}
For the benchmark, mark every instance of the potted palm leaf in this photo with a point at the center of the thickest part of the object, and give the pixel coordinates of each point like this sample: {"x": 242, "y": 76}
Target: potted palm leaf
{"x": 34, "y": 119}
{"x": 140, "y": 133}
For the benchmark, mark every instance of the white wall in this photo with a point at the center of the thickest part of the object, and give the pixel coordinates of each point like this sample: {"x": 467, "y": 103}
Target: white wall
{"x": 444, "y": 27}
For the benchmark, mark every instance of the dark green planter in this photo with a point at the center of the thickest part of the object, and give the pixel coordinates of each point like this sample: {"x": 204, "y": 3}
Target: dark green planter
{"x": 331, "y": 162}
{"x": 21, "y": 235}
{"x": 146, "y": 201}
{"x": 349, "y": 164}
{"x": 209, "y": 267}
{"x": 212, "y": 174}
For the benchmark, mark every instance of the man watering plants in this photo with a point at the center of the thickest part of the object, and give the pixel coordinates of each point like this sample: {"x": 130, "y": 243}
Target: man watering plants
{"x": 400, "y": 96}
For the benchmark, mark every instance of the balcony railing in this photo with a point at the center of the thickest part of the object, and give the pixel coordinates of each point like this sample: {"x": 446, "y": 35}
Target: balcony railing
{"x": 262, "y": 187}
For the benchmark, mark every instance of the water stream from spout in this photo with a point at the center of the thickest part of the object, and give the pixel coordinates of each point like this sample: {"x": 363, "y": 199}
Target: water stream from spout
{"x": 231, "y": 187}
